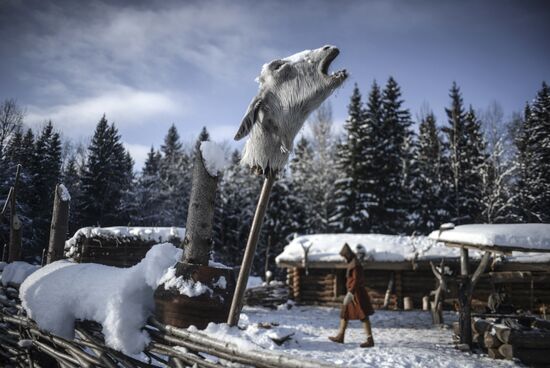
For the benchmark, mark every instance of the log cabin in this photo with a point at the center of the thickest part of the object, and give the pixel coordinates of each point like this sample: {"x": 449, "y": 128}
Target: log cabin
{"x": 397, "y": 270}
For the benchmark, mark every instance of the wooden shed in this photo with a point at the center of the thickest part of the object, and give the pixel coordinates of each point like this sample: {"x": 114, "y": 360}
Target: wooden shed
{"x": 398, "y": 267}
{"x": 118, "y": 246}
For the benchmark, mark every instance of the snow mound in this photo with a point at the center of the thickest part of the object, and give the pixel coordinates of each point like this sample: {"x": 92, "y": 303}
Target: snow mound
{"x": 213, "y": 157}
{"x": 186, "y": 287}
{"x": 17, "y": 272}
{"x": 528, "y": 236}
{"x": 374, "y": 247}
{"x": 121, "y": 299}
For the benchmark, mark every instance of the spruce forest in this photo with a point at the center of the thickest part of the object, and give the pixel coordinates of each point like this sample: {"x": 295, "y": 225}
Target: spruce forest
{"x": 387, "y": 172}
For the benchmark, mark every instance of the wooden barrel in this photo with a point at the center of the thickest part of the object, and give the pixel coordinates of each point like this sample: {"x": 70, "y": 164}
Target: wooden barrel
{"x": 179, "y": 310}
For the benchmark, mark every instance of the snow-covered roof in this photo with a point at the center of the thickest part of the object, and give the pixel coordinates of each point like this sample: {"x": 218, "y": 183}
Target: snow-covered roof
{"x": 325, "y": 248}
{"x": 528, "y": 237}
{"x": 377, "y": 247}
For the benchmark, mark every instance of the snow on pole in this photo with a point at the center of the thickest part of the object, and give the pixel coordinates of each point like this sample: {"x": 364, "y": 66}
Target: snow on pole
{"x": 60, "y": 223}
{"x": 273, "y": 119}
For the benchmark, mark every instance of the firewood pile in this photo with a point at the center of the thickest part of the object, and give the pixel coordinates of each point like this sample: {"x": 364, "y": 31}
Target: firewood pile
{"x": 24, "y": 344}
{"x": 269, "y": 296}
{"x": 524, "y": 338}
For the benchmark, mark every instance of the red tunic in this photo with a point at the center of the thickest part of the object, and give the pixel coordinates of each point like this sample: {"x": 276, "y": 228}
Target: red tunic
{"x": 361, "y": 307}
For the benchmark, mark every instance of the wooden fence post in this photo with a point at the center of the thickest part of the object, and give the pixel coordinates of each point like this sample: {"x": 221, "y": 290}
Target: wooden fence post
{"x": 14, "y": 251}
{"x": 60, "y": 224}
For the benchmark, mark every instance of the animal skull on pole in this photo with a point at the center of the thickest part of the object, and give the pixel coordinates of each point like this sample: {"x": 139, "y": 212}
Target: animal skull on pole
{"x": 290, "y": 89}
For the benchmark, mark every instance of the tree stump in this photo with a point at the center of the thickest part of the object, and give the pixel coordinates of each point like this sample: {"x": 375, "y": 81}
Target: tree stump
{"x": 176, "y": 308}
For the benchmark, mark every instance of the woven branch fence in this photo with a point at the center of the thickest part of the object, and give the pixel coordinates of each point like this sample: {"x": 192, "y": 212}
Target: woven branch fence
{"x": 24, "y": 344}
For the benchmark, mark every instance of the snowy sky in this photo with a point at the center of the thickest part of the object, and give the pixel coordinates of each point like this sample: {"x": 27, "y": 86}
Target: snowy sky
{"x": 150, "y": 64}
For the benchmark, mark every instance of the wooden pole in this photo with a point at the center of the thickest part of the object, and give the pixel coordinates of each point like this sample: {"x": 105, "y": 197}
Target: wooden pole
{"x": 60, "y": 224}
{"x": 198, "y": 229}
{"x": 466, "y": 285}
{"x": 236, "y": 304}
{"x": 14, "y": 251}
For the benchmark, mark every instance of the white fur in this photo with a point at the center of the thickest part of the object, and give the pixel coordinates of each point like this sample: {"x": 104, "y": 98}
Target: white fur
{"x": 290, "y": 89}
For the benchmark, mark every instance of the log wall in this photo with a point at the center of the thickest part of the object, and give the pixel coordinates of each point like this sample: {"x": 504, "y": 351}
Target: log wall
{"x": 326, "y": 286}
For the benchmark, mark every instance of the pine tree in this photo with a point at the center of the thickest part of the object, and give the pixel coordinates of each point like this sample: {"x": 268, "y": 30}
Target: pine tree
{"x": 373, "y": 159}
{"x": 465, "y": 149}
{"x": 106, "y": 176}
{"x": 45, "y": 171}
{"x": 148, "y": 194}
{"x": 239, "y": 191}
{"x": 72, "y": 181}
{"x": 175, "y": 180}
{"x": 430, "y": 187}
{"x": 394, "y": 197}
{"x": 304, "y": 185}
{"x": 351, "y": 206}
{"x": 533, "y": 156}
{"x": 323, "y": 170}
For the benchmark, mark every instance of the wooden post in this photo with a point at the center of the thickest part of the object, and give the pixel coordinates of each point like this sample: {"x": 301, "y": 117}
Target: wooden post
{"x": 198, "y": 229}
{"x": 14, "y": 252}
{"x": 466, "y": 285}
{"x": 60, "y": 224}
{"x": 251, "y": 244}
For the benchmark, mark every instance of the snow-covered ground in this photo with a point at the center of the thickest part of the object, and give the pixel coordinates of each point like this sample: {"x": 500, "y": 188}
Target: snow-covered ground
{"x": 403, "y": 339}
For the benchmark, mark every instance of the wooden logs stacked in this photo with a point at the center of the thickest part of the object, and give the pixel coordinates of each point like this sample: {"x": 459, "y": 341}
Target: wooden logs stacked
{"x": 528, "y": 342}
{"x": 269, "y": 296}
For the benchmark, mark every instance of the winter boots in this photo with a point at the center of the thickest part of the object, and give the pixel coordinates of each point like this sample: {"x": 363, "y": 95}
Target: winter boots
{"x": 368, "y": 331}
{"x": 339, "y": 338}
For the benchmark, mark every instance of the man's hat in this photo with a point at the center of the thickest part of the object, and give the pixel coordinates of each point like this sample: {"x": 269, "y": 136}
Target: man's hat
{"x": 346, "y": 252}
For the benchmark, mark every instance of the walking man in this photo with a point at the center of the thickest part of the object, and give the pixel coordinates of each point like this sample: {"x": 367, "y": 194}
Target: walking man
{"x": 357, "y": 305}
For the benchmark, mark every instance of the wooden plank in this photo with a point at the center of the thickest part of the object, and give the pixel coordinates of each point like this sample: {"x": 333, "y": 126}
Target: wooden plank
{"x": 495, "y": 248}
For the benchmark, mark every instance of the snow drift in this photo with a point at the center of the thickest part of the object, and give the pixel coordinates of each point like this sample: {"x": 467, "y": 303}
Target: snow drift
{"x": 121, "y": 299}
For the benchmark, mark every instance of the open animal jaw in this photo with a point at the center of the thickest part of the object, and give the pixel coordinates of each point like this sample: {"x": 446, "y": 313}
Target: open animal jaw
{"x": 290, "y": 89}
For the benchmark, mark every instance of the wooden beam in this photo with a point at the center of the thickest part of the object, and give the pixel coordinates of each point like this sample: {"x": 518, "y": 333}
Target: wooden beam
{"x": 495, "y": 248}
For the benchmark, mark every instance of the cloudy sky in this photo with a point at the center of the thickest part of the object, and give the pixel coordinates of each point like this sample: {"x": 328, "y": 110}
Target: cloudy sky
{"x": 148, "y": 64}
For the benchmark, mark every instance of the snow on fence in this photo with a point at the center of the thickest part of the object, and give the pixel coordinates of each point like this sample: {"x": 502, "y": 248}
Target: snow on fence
{"x": 118, "y": 246}
{"x": 83, "y": 315}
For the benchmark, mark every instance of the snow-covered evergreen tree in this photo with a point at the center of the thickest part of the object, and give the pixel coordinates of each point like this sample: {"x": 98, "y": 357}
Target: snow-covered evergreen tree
{"x": 106, "y": 176}
{"x": 150, "y": 211}
{"x": 394, "y": 198}
{"x": 72, "y": 181}
{"x": 304, "y": 185}
{"x": 175, "y": 179}
{"x": 323, "y": 168}
{"x": 430, "y": 190}
{"x": 46, "y": 173}
{"x": 239, "y": 191}
{"x": 533, "y": 157}
{"x": 465, "y": 150}
{"x": 351, "y": 213}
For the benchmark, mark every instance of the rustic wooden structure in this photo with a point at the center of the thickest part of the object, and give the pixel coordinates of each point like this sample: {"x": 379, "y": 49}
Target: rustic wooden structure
{"x": 467, "y": 282}
{"x": 171, "y": 307}
{"x": 436, "y": 306}
{"x": 526, "y": 338}
{"x": 114, "y": 250}
{"x": 13, "y": 251}
{"x": 60, "y": 224}
{"x": 389, "y": 282}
